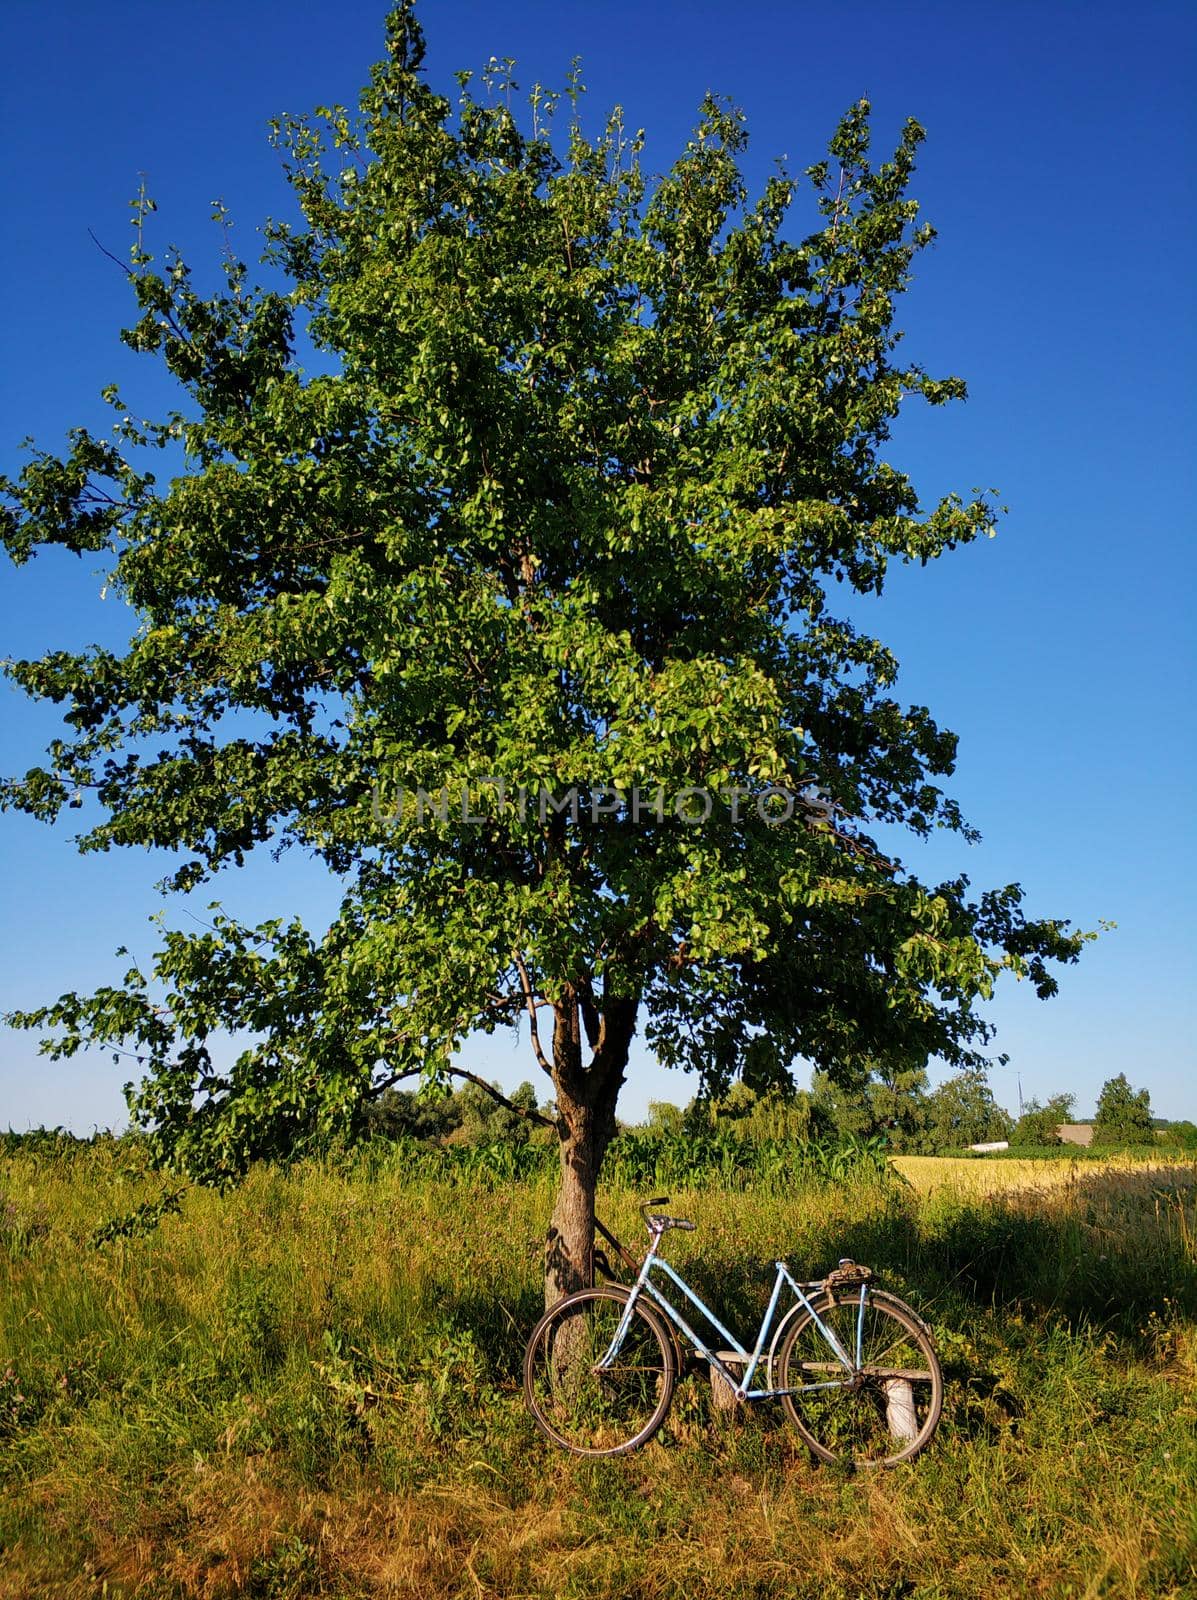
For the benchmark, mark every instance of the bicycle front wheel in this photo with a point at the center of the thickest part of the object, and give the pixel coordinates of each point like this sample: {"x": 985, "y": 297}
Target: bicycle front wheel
{"x": 885, "y": 1406}
{"x": 593, "y": 1406}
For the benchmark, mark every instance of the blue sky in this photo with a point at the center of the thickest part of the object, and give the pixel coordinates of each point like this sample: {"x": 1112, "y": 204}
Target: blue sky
{"x": 1059, "y": 172}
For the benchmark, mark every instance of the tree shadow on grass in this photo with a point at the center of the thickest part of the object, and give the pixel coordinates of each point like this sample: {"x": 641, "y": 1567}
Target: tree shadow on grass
{"x": 1106, "y": 1248}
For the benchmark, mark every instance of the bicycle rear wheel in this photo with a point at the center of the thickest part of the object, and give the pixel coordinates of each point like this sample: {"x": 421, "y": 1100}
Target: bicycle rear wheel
{"x": 590, "y": 1410}
{"x": 887, "y": 1407}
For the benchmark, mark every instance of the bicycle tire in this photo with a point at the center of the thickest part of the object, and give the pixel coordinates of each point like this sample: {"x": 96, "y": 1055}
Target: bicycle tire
{"x": 896, "y": 1385}
{"x": 603, "y": 1413}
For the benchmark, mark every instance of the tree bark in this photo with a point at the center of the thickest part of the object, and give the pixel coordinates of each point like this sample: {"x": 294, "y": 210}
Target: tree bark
{"x": 586, "y": 1097}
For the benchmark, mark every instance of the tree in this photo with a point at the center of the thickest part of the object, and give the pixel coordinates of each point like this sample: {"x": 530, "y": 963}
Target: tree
{"x": 962, "y": 1111}
{"x": 1179, "y": 1135}
{"x": 478, "y": 1113}
{"x": 886, "y": 1098}
{"x": 398, "y": 1113}
{"x": 841, "y": 1100}
{"x": 1038, "y": 1124}
{"x": 557, "y": 521}
{"x": 898, "y": 1096}
{"x": 780, "y": 1112}
{"x": 490, "y": 1119}
{"x": 1123, "y": 1114}
{"x": 664, "y": 1117}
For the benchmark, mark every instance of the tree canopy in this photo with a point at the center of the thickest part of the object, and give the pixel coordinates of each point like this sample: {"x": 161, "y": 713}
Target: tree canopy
{"x": 962, "y": 1111}
{"x": 1038, "y": 1124}
{"x": 549, "y": 528}
{"x": 1123, "y": 1114}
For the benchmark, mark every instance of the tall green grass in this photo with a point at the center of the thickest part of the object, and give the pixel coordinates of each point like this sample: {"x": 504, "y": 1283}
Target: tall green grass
{"x": 308, "y": 1385}
{"x": 637, "y": 1157}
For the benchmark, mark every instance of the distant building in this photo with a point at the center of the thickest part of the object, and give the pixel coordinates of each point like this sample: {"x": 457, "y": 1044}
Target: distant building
{"x": 1075, "y": 1132}
{"x": 996, "y": 1144}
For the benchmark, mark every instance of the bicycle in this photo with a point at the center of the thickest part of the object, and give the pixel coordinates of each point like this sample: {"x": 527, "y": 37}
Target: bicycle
{"x": 855, "y": 1368}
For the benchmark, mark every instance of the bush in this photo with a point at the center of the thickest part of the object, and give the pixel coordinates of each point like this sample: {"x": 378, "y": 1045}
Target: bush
{"x": 1038, "y": 1124}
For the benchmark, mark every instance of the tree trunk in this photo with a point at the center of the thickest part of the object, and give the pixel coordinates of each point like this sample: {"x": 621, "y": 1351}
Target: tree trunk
{"x": 569, "y": 1250}
{"x": 586, "y": 1097}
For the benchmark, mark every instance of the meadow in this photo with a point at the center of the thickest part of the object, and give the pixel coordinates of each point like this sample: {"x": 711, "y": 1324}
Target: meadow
{"x": 309, "y": 1386}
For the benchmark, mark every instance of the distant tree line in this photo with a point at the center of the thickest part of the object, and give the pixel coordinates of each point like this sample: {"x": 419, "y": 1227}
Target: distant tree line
{"x": 1123, "y": 1120}
{"x": 893, "y": 1105}
{"x": 882, "y": 1110}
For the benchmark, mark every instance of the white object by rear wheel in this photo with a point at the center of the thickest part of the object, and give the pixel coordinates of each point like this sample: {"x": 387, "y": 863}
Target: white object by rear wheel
{"x": 882, "y": 1412}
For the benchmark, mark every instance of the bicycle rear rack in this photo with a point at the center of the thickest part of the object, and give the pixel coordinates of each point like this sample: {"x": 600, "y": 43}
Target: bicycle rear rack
{"x": 848, "y": 1275}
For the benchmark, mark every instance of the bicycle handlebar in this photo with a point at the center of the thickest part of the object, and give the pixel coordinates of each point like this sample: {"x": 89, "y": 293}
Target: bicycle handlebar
{"x": 657, "y": 1222}
{"x": 625, "y": 1255}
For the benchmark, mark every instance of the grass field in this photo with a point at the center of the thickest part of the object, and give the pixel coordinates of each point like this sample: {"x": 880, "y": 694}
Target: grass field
{"x": 309, "y": 1387}
{"x": 968, "y": 1176}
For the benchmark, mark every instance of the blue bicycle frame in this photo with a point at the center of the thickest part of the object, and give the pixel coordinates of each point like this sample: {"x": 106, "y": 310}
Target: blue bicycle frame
{"x": 740, "y": 1386}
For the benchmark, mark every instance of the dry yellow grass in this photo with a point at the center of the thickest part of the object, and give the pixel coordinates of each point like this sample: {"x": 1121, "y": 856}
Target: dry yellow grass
{"x": 976, "y": 1178}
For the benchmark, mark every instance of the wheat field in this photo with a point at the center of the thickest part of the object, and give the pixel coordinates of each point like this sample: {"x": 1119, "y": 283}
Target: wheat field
{"x": 970, "y": 1176}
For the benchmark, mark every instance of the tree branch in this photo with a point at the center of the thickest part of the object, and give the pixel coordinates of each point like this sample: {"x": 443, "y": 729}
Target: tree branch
{"x": 530, "y": 1002}
{"x": 389, "y": 1083}
{"x": 123, "y": 265}
{"x": 528, "y": 1116}
{"x": 470, "y": 1077}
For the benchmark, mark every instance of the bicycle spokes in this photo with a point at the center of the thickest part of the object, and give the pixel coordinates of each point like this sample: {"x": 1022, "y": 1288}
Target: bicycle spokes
{"x": 583, "y": 1396}
{"x": 883, "y": 1410}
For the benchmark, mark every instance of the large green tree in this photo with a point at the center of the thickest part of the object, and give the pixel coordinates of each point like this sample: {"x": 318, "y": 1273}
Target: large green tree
{"x": 563, "y": 501}
{"x": 880, "y": 1098}
{"x": 1123, "y": 1114}
{"x": 962, "y": 1111}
